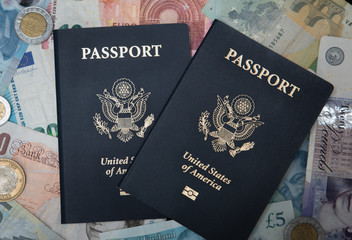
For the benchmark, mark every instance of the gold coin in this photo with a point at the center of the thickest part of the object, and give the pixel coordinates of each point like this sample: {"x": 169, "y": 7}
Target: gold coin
{"x": 304, "y": 231}
{"x": 12, "y": 180}
{"x": 33, "y": 25}
{"x": 2, "y": 110}
{"x": 304, "y": 228}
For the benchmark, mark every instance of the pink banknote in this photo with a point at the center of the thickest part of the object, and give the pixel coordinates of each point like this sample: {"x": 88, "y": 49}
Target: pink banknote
{"x": 143, "y": 12}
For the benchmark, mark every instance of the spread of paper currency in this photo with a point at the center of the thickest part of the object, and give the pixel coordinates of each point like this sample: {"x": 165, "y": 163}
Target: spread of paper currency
{"x": 328, "y": 188}
{"x": 289, "y": 27}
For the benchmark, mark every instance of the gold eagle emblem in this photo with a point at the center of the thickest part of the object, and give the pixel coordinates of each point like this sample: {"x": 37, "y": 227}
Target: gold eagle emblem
{"x": 124, "y": 109}
{"x": 233, "y": 121}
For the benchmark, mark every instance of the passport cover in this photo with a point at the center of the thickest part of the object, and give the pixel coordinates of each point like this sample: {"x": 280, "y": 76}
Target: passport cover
{"x": 227, "y": 136}
{"x": 111, "y": 86}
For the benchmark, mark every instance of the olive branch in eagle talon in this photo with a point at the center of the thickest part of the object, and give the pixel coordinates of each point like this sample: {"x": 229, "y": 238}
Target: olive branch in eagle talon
{"x": 233, "y": 122}
{"x": 204, "y": 124}
{"x": 101, "y": 125}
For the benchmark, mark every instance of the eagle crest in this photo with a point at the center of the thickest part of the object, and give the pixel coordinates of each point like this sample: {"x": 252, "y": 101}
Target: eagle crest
{"x": 233, "y": 122}
{"x": 124, "y": 109}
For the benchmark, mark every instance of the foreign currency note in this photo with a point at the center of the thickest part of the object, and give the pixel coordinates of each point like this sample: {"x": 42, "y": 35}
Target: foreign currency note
{"x": 164, "y": 230}
{"x": 32, "y": 95}
{"x": 292, "y": 28}
{"x": 272, "y": 223}
{"x": 17, "y": 223}
{"x": 145, "y": 12}
{"x": 37, "y": 153}
{"x": 328, "y": 187}
{"x": 270, "y": 227}
{"x": 292, "y": 184}
{"x": 32, "y": 90}
{"x": 11, "y": 48}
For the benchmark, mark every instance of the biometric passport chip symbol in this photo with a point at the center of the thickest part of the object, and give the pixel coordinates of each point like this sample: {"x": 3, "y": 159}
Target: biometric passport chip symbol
{"x": 124, "y": 109}
{"x": 190, "y": 193}
{"x": 233, "y": 123}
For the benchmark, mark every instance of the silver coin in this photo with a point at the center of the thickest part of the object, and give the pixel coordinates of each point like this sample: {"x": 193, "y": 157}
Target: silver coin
{"x": 5, "y": 110}
{"x": 334, "y": 56}
{"x": 12, "y": 180}
{"x": 8, "y": 180}
{"x": 33, "y": 25}
{"x": 304, "y": 228}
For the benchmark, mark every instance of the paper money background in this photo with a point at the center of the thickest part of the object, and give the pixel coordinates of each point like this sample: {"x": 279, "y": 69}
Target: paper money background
{"x": 292, "y": 28}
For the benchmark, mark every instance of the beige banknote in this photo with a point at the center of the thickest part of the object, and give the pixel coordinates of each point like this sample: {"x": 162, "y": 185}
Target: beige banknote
{"x": 292, "y": 28}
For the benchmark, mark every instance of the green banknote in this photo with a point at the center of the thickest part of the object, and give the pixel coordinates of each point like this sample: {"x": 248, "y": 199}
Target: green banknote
{"x": 17, "y": 223}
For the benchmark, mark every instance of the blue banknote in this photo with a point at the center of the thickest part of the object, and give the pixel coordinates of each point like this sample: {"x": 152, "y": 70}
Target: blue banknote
{"x": 11, "y": 48}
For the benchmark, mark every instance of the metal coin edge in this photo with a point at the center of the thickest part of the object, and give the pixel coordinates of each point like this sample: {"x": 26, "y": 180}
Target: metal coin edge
{"x": 291, "y": 225}
{"x": 8, "y": 110}
{"x": 44, "y": 36}
{"x": 23, "y": 175}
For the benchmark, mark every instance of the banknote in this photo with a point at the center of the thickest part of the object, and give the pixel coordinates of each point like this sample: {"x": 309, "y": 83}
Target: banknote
{"x": 143, "y": 12}
{"x": 17, "y": 223}
{"x": 292, "y": 184}
{"x": 328, "y": 187}
{"x": 37, "y": 153}
{"x": 292, "y": 28}
{"x": 329, "y": 166}
{"x": 31, "y": 93}
{"x": 11, "y": 48}
{"x": 164, "y": 230}
{"x": 273, "y": 221}
{"x": 133, "y": 12}
{"x": 334, "y": 64}
{"x": 270, "y": 227}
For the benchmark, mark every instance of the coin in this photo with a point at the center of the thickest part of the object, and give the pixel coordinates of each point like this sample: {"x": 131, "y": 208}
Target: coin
{"x": 5, "y": 110}
{"x": 33, "y": 25}
{"x": 12, "y": 180}
{"x": 304, "y": 228}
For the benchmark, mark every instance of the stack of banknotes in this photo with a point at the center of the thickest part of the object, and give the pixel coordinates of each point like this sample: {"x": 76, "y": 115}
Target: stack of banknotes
{"x": 318, "y": 183}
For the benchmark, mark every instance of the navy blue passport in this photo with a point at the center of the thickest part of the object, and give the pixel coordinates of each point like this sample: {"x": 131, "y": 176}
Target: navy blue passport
{"x": 227, "y": 136}
{"x": 111, "y": 86}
